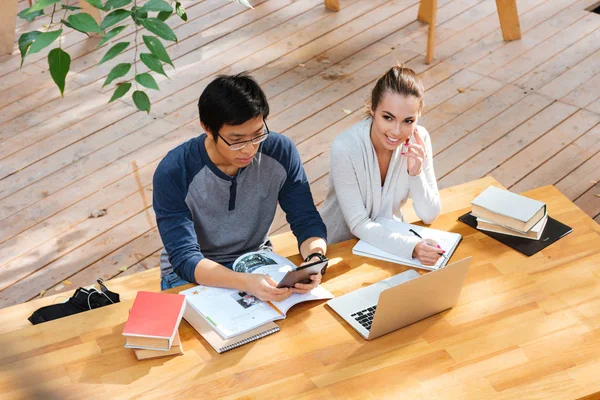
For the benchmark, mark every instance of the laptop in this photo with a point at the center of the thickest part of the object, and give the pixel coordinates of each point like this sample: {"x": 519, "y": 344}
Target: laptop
{"x": 401, "y": 300}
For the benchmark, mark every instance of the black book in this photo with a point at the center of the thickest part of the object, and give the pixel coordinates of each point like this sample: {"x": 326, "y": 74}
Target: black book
{"x": 553, "y": 231}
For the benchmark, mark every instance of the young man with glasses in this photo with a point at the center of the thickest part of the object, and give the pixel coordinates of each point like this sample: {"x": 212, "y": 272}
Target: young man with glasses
{"x": 215, "y": 196}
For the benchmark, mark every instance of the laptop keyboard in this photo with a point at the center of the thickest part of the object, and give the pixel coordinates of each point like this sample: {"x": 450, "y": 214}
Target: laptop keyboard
{"x": 365, "y": 317}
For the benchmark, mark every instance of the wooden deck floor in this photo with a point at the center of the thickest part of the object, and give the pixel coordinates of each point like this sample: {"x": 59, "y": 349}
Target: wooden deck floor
{"x": 527, "y": 112}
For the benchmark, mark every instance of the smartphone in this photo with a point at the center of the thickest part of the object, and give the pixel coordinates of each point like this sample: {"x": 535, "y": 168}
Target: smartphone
{"x": 404, "y": 149}
{"x": 302, "y": 274}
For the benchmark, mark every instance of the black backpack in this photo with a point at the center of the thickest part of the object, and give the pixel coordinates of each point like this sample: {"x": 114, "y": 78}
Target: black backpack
{"x": 82, "y": 300}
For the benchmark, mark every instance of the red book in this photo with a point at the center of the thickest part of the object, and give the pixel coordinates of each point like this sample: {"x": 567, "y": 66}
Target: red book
{"x": 153, "y": 320}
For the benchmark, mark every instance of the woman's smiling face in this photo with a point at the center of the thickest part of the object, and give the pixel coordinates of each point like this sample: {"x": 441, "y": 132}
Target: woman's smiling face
{"x": 394, "y": 120}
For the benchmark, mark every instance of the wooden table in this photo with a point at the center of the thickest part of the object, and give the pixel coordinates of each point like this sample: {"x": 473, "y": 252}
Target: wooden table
{"x": 523, "y": 328}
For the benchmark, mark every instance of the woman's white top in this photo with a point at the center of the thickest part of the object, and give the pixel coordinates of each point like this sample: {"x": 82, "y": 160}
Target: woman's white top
{"x": 356, "y": 197}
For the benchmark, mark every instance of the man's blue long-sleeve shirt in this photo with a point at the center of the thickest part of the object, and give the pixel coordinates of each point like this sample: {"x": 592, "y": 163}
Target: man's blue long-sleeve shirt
{"x": 202, "y": 212}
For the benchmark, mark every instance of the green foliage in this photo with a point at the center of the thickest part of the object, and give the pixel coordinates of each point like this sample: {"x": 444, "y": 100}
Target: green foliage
{"x": 117, "y": 72}
{"x": 59, "y": 63}
{"x": 114, "y": 51}
{"x": 157, "y": 49}
{"x": 114, "y": 18}
{"x": 157, "y": 5}
{"x": 149, "y": 16}
{"x": 181, "y": 11}
{"x": 153, "y": 63}
{"x": 84, "y": 23}
{"x": 146, "y": 80}
{"x": 111, "y": 34}
{"x": 159, "y": 28}
{"x": 141, "y": 101}
{"x": 120, "y": 91}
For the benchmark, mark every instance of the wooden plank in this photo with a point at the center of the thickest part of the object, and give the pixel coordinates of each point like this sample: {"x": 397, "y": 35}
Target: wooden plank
{"x": 31, "y": 280}
{"x": 575, "y": 76}
{"x": 533, "y": 13}
{"x": 546, "y": 147}
{"x": 449, "y": 110}
{"x": 140, "y": 254}
{"x": 308, "y": 60}
{"x": 581, "y": 179}
{"x": 72, "y": 193}
{"x": 562, "y": 164}
{"x": 507, "y": 146}
{"x": 578, "y": 35}
{"x": 482, "y": 137}
{"x": 469, "y": 12}
{"x": 589, "y": 202}
{"x": 584, "y": 95}
{"x": 70, "y": 144}
{"x": 475, "y": 117}
{"x": 595, "y": 106}
{"x": 539, "y": 24}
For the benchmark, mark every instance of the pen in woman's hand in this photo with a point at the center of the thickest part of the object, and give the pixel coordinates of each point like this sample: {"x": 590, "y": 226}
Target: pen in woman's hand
{"x": 424, "y": 241}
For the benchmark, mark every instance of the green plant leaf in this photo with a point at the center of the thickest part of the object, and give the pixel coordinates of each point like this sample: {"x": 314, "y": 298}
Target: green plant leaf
{"x": 164, "y": 15}
{"x": 25, "y": 41}
{"x": 83, "y": 22}
{"x": 116, "y": 4}
{"x": 113, "y": 18}
{"x": 120, "y": 91}
{"x": 29, "y": 17}
{"x": 96, "y": 4}
{"x": 43, "y": 40}
{"x": 157, "y": 49}
{"x": 180, "y": 11}
{"x": 111, "y": 34}
{"x": 153, "y": 63}
{"x": 159, "y": 28}
{"x": 59, "y": 63}
{"x": 40, "y": 5}
{"x": 138, "y": 15}
{"x": 147, "y": 80}
{"x": 114, "y": 51}
{"x": 70, "y": 8}
{"x": 141, "y": 101}
{"x": 157, "y": 5}
{"x": 117, "y": 72}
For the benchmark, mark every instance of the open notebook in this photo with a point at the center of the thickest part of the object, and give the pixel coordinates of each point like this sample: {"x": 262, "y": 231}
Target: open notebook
{"x": 448, "y": 241}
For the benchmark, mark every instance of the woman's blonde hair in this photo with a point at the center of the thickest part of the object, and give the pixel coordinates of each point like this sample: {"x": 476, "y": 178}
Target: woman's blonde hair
{"x": 400, "y": 80}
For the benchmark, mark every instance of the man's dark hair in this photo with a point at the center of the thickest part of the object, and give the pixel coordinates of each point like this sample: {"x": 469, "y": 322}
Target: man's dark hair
{"x": 231, "y": 100}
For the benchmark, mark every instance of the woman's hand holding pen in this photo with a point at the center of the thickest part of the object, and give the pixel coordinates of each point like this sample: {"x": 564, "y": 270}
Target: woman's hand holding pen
{"x": 428, "y": 252}
{"x": 415, "y": 155}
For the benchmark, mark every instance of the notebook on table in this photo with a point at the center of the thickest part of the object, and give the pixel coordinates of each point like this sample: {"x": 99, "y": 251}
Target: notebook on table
{"x": 553, "y": 231}
{"x": 448, "y": 241}
{"x": 217, "y": 342}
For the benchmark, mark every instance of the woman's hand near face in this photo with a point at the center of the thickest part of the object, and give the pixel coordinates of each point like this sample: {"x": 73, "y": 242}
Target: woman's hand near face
{"x": 415, "y": 155}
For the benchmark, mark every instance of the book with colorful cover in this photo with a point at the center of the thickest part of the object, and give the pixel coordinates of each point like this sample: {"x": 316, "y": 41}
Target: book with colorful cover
{"x": 153, "y": 320}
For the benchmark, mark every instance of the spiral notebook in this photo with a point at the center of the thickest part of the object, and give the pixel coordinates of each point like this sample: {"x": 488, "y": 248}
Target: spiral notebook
{"x": 217, "y": 342}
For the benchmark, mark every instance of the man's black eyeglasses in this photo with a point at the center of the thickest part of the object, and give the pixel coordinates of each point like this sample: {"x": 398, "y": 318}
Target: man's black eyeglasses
{"x": 255, "y": 141}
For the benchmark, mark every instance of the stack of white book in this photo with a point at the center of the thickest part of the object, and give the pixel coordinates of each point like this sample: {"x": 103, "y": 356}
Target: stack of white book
{"x": 508, "y": 213}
